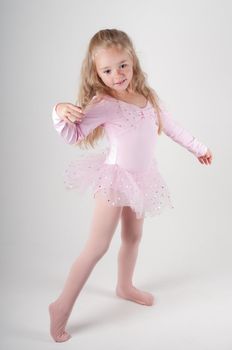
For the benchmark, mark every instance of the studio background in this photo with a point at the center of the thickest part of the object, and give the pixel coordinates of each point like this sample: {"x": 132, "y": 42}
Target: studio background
{"x": 185, "y": 254}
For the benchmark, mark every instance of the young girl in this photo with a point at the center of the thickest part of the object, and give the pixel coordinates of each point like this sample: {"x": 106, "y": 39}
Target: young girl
{"x": 115, "y": 100}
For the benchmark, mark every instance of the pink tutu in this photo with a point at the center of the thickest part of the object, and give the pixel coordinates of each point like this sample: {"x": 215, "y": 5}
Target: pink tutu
{"x": 145, "y": 192}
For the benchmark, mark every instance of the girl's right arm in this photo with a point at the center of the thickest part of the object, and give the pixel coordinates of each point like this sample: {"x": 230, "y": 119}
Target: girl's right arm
{"x": 65, "y": 116}
{"x": 73, "y": 125}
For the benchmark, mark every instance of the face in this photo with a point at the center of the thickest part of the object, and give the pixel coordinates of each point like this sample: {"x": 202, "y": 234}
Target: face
{"x": 115, "y": 68}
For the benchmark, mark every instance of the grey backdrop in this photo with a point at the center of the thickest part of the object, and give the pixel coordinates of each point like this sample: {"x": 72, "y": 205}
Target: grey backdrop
{"x": 185, "y": 254}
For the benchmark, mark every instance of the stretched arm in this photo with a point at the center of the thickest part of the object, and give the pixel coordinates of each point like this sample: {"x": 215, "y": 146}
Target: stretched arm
{"x": 182, "y": 136}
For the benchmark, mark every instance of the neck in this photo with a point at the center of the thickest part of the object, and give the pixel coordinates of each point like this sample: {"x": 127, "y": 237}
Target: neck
{"x": 122, "y": 94}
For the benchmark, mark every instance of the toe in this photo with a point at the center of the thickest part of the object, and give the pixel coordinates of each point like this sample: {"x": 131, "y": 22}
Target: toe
{"x": 63, "y": 337}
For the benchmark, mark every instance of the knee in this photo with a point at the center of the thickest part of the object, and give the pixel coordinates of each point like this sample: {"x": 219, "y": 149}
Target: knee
{"x": 99, "y": 251}
{"x": 133, "y": 237}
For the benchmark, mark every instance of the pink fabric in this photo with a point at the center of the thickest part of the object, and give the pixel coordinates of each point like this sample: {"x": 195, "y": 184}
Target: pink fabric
{"x": 127, "y": 172}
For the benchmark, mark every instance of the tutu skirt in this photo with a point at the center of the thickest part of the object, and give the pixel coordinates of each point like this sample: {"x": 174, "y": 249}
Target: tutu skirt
{"x": 145, "y": 192}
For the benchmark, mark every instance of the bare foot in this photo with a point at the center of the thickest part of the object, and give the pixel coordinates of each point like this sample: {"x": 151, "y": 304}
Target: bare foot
{"x": 136, "y": 295}
{"x": 58, "y": 322}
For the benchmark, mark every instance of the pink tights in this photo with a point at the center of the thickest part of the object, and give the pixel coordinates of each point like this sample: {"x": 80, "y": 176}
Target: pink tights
{"x": 103, "y": 226}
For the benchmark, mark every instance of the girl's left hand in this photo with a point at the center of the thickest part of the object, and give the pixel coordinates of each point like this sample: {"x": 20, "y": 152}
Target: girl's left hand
{"x": 206, "y": 158}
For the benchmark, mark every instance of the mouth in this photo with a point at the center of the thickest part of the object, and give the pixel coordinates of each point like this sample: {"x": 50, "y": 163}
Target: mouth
{"x": 120, "y": 82}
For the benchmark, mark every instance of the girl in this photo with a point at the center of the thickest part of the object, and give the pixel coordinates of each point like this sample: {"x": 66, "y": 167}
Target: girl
{"x": 115, "y": 99}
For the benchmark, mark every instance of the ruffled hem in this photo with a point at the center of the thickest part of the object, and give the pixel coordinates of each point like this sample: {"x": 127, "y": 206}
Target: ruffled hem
{"x": 145, "y": 192}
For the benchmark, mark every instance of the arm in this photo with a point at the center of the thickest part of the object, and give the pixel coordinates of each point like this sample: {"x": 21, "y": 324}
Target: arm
{"x": 180, "y": 135}
{"x": 68, "y": 132}
{"x": 95, "y": 115}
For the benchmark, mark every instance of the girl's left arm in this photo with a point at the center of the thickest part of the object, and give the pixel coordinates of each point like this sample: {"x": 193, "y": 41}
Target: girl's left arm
{"x": 182, "y": 136}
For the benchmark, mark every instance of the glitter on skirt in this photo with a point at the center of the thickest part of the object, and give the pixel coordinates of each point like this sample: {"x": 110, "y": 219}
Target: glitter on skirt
{"x": 145, "y": 192}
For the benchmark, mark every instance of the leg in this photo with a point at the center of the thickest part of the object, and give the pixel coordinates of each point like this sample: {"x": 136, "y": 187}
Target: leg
{"x": 104, "y": 223}
{"x": 131, "y": 234}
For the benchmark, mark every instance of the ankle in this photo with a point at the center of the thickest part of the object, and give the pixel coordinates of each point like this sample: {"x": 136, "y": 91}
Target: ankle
{"x": 124, "y": 286}
{"x": 59, "y": 307}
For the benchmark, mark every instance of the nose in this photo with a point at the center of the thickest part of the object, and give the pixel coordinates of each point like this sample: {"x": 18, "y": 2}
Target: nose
{"x": 118, "y": 74}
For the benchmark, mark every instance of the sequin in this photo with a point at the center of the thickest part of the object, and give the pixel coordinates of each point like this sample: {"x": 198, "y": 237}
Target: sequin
{"x": 130, "y": 118}
{"x": 145, "y": 192}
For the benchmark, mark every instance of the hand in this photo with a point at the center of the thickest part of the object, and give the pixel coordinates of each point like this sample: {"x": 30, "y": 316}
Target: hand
{"x": 206, "y": 158}
{"x": 69, "y": 112}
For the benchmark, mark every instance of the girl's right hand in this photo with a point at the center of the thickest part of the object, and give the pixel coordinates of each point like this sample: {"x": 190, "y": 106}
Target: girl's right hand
{"x": 69, "y": 112}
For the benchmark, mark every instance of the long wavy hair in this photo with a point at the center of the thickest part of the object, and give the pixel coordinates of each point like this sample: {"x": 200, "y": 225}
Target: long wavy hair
{"x": 91, "y": 84}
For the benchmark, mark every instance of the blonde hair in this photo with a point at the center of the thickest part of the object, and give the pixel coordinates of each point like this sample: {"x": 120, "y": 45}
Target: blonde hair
{"x": 91, "y": 85}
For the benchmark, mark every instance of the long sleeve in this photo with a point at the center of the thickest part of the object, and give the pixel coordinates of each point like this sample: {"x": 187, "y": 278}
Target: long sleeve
{"x": 180, "y": 135}
{"x": 95, "y": 115}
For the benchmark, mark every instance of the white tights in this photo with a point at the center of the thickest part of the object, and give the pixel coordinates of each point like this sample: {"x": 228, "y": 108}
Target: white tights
{"x": 104, "y": 223}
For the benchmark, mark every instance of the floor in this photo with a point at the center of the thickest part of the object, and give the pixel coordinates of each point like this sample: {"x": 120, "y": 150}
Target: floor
{"x": 192, "y": 311}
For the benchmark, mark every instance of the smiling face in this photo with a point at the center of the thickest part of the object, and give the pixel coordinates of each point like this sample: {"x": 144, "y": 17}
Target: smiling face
{"x": 115, "y": 68}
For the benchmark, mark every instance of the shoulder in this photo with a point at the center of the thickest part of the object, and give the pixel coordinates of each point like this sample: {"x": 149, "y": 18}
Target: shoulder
{"x": 101, "y": 103}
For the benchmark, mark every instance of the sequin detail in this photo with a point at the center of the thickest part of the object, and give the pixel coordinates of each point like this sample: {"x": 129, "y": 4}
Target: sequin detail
{"x": 145, "y": 192}
{"x": 131, "y": 117}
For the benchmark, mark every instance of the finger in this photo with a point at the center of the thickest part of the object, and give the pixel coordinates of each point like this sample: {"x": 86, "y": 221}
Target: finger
{"x": 76, "y": 110}
{"x": 204, "y": 160}
{"x": 67, "y": 120}
{"x": 74, "y": 116}
{"x": 77, "y": 115}
{"x": 73, "y": 106}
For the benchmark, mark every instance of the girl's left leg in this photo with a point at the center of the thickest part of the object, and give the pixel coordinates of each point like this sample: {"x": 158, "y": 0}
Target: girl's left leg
{"x": 131, "y": 234}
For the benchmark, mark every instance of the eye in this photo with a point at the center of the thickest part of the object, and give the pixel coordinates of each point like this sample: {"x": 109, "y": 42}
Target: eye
{"x": 107, "y": 71}
{"x": 123, "y": 65}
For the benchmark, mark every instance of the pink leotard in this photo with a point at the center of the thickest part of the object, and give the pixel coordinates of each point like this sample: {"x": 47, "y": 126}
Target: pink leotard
{"x": 127, "y": 173}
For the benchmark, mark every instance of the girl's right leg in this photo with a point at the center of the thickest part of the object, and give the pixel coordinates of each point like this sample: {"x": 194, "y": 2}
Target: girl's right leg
{"x": 104, "y": 223}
